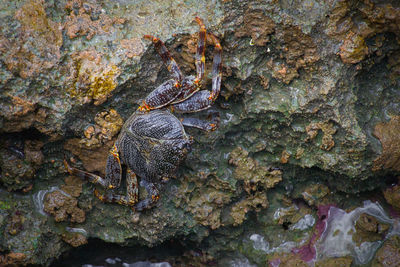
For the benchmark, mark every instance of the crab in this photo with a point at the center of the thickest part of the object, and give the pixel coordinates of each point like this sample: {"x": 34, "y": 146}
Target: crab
{"x": 153, "y": 142}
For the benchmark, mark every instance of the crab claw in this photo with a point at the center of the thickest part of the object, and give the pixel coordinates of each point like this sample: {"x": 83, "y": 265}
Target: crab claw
{"x": 151, "y": 38}
{"x": 199, "y": 21}
{"x": 68, "y": 168}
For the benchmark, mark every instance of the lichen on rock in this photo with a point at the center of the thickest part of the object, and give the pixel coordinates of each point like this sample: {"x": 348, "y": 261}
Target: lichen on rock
{"x": 87, "y": 19}
{"x": 36, "y": 48}
{"x": 93, "y": 77}
{"x": 388, "y": 134}
{"x": 328, "y": 129}
{"x": 252, "y": 173}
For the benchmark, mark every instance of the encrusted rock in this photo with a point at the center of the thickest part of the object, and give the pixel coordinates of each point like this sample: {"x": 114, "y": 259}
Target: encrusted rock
{"x": 36, "y": 48}
{"x": 63, "y": 207}
{"x": 353, "y": 49}
{"x": 94, "y": 147}
{"x": 19, "y": 163}
{"x": 335, "y": 262}
{"x": 369, "y": 229}
{"x": 392, "y": 196}
{"x": 251, "y": 172}
{"x": 12, "y": 259}
{"x": 255, "y": 202}
{"x": 328, "y": 129}
{"x": 389, "y": 254}
{"x": 314, "y": 193}
{"x": 74, "y": 239}
{"x": 388, "y": 134}
{"x": 87, "y": 19}
{"x": 93, "y": 77}
{"x": 258, "y": 26}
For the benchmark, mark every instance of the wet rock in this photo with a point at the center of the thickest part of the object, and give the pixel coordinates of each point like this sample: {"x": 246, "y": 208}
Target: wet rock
{"x": 389, "y": 137}
{"x": 304, "y": 86}
{"x": 369, "y": 229}
{"x": 258, "y": 26}
{"x": 313, "y": 194}
{"x": 392, "y": 196}
{"x": 251, "y": 173}
{"x": 286, "y": 260}
{"x": 63, "y": 207}
{"x": 19, "y": 162}
{"x": 16, "y": 223}
{"x": 335, "y": 262}
{"x": 357, "y": 233}
{"x": 388, "y": 254}
{"x": 74, "y": 239}
{"x": 12, "y": 259}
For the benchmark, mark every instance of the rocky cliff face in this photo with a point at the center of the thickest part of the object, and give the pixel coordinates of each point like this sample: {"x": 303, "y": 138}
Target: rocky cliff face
{"x": 309, "y": 127}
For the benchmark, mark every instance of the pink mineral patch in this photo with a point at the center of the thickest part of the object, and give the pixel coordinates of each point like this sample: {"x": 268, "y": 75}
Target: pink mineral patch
{"x": 308, "y": 252}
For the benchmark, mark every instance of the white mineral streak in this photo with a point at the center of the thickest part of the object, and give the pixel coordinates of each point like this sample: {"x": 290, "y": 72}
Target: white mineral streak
{"x": 337, "y": 239}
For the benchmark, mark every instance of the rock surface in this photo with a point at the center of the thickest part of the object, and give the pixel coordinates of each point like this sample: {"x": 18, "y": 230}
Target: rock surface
{"x": 309, "y": 119}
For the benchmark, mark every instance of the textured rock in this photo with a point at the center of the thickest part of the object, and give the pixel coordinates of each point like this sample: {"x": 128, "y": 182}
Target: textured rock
{"x": 309, "y": 111}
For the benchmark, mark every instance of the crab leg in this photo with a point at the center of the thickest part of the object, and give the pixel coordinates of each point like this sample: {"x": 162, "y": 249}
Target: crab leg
{"x": 207, "y": 126}
{"x": 216, "y": 69}
{"x": 204, "y": 98}
{"x": 113, "y": 171}
{"x": 169, "y": 90}
{"x": 191, "y": 85}
{"x": 93, "y": 178}
{"x": 132, "y": 188}
{"x": 129, "y": 200}
{"x": 166, "y": 57}
{"x": 200, "y": 57}
{"x": 161, "y": 96}
{"x": 151, "y": 199}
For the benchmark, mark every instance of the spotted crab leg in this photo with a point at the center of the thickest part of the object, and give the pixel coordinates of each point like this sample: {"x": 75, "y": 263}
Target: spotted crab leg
{"x": 169, "y": 90}
{"x": 111, "y": 181}
{"x": 151, "y": 199}
{"x": 192, "y": 85}
{"x": 93, "y": 178}
{"x": 204, "y": 99}
{"x": 200, "y": 52}
{"x": 207, "y": 126}
{"x": 166, "y": 57}
{"x": 132, "y": 192}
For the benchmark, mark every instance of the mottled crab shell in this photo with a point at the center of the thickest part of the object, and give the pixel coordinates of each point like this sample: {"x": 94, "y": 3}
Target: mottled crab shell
{"x": 153, "y": 144}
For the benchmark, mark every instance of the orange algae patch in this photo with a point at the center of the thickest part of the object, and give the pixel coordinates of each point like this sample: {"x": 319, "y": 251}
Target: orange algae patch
{"x": 389, "y": 135}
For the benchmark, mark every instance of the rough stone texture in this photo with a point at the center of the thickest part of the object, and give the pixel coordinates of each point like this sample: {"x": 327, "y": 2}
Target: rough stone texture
{"x": 309, "y": 107}
{"x": 389, "y": 254}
